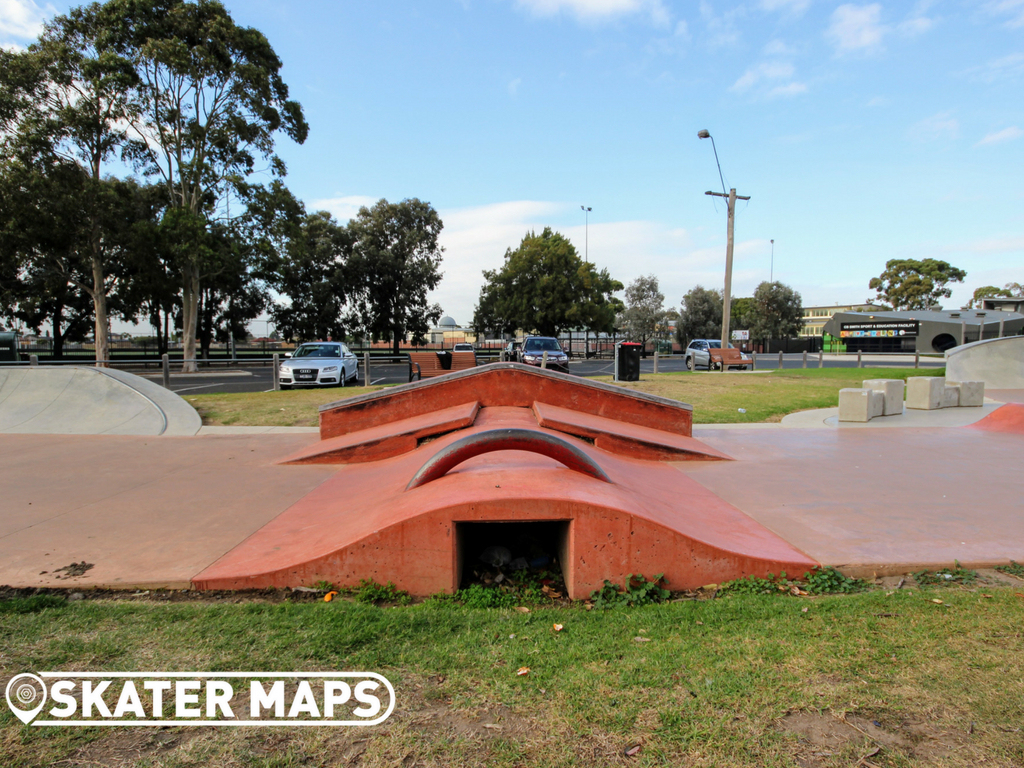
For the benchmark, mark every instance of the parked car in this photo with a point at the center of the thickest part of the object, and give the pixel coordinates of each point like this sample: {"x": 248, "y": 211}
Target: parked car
{"x": 698, "y": 354}
{"x": 534, "y": 347}
{"x": 463, "y": 346}
{"x": 319, "y": 364}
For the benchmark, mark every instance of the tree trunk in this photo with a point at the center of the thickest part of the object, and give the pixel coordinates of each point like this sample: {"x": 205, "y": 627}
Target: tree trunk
{"x": 205, "y": 332}
{"x": 395, "y": 350}
{"x": 99, "y": 301}
{"x": 189, "y": 317}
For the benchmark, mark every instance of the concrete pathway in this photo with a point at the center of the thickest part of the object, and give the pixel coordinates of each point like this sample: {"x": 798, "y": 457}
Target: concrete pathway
{"x": 148, "y": 511}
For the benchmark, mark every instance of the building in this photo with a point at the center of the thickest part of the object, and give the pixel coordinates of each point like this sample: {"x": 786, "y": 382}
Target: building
{"x": 816, "y": 317}
{"x": 920, "y": 330}
{"x": 1004, "y": 303}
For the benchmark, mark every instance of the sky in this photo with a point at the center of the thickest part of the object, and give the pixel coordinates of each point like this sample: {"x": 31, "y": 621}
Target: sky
{"x": 862, "y": 132}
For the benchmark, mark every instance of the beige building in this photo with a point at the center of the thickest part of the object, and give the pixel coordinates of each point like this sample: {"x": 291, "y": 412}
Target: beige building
{"x": 816, "y": 317}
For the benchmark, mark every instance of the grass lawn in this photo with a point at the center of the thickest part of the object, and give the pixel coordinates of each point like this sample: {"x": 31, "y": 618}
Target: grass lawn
{"x": 881, "y": 678}
{"x": 715, "y": 397}
{"x": 294, "y": 408}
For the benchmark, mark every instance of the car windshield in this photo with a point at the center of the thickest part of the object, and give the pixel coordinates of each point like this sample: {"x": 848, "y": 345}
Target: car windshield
{"x": 318, "y": 350}
{"x": 541, "y": 345}
{"x": 715, "y": 344}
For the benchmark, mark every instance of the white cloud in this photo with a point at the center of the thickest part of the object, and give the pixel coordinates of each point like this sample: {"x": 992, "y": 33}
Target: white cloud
{"x": 476, "y": 239}
{"x": 856, "y": 28}
{"x": 778, "y": 48}
{"x": 793, "y": 89}
{"x": 790, "y": 6}
{"x": 598, "y": 10}
{"x": 23, "y": 18}
{"x": 1007, "y": 134}
{"x": 940, "y": 126}
{"x": 1005, "y": 66}
{"x": 343, "y": 208}
{"x": 879, "y": 101}
{"x": 513, "y": 86}
{"x": 763, "y": 71}
{"x": 1014, "y": 9}
{"x": 721, "y": 30}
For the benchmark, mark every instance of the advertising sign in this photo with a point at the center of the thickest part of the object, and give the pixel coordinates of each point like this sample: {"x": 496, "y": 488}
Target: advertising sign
{"x": 878, "y": 329}
{"x": 741, "y": 335}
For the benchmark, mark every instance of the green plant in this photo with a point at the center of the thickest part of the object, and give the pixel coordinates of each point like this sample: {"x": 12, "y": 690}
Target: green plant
{"x": 480, "y": 596}
{"x": 829, "y": 581}
{"x": 753, "y": 585}
{"x": 323, "y": 586}
{"x": 32, "y": 604}
{"x": 369, "y": 591}
{"x": 639, "y": 591}
{"x": 946, "y": 576}
{"x": 1014, "y": 569}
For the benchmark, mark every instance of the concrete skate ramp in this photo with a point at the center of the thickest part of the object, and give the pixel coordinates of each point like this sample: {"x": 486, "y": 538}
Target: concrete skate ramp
{"x": 997, "y": 362}
{"x": 76, "y": 400}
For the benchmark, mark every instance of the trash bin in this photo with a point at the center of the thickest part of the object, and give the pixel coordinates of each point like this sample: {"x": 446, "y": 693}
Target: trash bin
{"x": 629, "y": 362}
{"x": 8, "y": 347}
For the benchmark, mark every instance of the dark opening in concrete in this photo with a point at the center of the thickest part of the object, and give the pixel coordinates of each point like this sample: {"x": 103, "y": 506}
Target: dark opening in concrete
{"x": 538, "y": 544}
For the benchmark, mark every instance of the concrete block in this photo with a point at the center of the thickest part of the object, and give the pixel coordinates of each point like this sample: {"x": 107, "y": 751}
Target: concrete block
{"x": 892, "y": 390}
{"x": 950, "y": 396}
{"x": 972, "y": 393}
{"x": 924, "y": 393}
{"x": 876, "y": 404}
{"x": 855, "y": 404}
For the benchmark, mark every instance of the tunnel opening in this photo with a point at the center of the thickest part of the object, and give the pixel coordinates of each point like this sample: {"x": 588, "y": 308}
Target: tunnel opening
{"x": 512, "y": 554}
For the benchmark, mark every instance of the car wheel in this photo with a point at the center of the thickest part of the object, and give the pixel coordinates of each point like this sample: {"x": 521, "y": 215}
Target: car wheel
{"x": 689, "y": 363}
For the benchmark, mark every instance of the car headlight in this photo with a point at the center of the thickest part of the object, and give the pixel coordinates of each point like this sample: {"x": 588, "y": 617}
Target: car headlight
{"x": 531, "y": 358}
{"x": 284, "y": 369}
{"x": 329, "y": 369}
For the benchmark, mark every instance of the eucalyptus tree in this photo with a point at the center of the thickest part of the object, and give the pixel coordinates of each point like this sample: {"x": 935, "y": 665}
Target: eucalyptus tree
{"x": 210, "y": 103}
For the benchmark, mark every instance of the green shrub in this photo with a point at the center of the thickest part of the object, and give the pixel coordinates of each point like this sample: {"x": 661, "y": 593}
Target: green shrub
{"x": 369, "y": 591}
{"x": 638, "y": 592}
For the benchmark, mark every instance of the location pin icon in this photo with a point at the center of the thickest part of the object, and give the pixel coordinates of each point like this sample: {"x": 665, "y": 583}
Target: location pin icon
{"x": 22, "y": 692}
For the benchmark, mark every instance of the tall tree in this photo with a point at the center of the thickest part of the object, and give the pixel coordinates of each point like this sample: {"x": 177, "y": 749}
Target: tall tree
{"x": 395, "y": 261}
{"x": 700, "y": 315}
{"x": 545, "y": 287}
{"x": 210, "y": 102}
{"x": 75, "y": 102}
{"x": 908, "y": 284}
{"x": 777, "y": 312}
{"x": 984, "y": 292}
{"x": 645, "y": 310}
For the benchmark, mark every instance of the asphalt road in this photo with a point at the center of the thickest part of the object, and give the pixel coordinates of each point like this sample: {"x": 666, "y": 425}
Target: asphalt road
{"x": 261, "y": 379}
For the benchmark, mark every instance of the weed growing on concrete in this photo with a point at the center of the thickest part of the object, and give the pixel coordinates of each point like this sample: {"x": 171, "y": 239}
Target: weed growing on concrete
{"x": 1014, "y": 569}
{"x": 946, "y": 576}
{"x": 369, "y": 591}
{"x": 638, "y": 591}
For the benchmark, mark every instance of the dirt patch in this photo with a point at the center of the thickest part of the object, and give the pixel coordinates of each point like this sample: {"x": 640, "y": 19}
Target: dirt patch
{"x": 822, "y": 736}
{"x": 123, "y": 747}
{"x": 74, "y": 570}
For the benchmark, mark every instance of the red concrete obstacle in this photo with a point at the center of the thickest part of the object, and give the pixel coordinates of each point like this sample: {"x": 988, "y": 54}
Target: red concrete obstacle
{"x": 1006, "y": 418}
{"x": 435, "y": 467}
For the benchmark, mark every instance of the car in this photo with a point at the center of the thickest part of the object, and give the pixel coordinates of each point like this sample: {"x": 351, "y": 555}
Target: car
{"x": 319, "y": 364}
{"x": 463, "y": 346}
{"x": 698, "y": 354}
{"x": 534, "y": 347}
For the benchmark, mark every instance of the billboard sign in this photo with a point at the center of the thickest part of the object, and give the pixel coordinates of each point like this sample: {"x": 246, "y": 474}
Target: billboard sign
{"x": 741, "y": 335}
{"x": 879, "y": 329}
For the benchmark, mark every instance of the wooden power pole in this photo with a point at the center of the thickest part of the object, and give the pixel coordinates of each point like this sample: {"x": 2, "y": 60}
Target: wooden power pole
{"x": 731, "y": 199}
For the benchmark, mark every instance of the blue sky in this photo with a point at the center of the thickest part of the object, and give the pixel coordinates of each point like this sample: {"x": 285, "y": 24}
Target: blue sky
{"x": 862, "y": 131}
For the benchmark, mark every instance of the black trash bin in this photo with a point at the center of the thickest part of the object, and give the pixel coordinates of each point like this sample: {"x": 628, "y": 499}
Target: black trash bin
{"x": 9, "y": 347}
{"x": 629, "y": 361}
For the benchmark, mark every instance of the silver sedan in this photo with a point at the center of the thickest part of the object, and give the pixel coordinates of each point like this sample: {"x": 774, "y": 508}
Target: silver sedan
{"x": 319, "y": 364}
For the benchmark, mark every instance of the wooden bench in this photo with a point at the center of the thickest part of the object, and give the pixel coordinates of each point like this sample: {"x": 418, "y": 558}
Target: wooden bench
{"x": 425, "y": 365}
{"x": 726, "y": 358}
{"x": 463, "y": 360}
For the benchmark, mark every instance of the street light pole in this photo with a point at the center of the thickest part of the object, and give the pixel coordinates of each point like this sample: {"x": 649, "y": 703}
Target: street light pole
{"x": 586, "y": 258}
{"x": 771, "y": 273}
{"x": 586, "y": 231}
{"x": 731, "y": 198}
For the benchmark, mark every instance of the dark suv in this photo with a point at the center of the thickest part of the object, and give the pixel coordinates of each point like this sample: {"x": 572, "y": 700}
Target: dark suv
{"x": 533, "y": 349}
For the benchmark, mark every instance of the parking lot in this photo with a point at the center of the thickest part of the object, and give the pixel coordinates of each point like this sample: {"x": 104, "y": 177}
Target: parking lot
{"x": 260, "y": 378}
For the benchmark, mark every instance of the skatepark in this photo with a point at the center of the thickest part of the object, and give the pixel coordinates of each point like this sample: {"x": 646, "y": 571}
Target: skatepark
{"x": 106, "y": 469}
